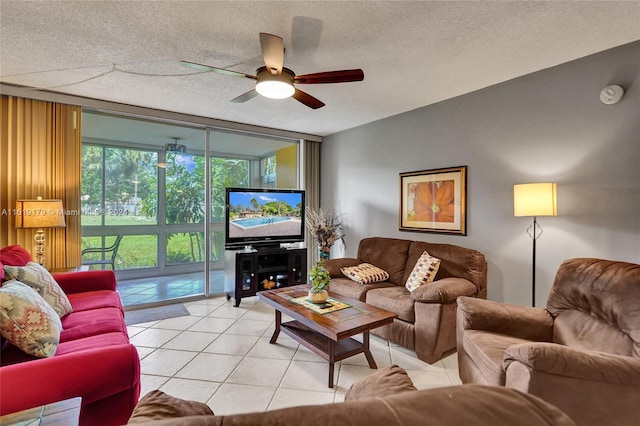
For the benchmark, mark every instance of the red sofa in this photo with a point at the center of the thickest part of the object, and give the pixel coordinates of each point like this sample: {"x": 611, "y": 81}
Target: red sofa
{"x": 94, "y": 359}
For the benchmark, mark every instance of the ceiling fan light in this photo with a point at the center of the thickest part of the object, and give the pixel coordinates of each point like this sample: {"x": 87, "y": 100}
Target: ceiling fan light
{"x": 275, "y": 89}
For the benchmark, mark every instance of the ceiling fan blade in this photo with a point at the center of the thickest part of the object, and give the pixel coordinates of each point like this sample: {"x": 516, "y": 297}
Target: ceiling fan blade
{"x": 245, "y": 96}
{"x": 307, "y": 99}
{"x": 272, "y": 52}
{"x": 216, "y": 70}
{"x": 342, "y": 76}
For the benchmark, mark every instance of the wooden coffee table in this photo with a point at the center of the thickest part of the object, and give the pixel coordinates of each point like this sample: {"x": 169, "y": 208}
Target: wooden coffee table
{"x": 328, "y": 334}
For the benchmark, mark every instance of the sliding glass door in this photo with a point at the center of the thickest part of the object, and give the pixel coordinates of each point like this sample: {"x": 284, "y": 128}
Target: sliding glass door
{"x": 161, "y": 187}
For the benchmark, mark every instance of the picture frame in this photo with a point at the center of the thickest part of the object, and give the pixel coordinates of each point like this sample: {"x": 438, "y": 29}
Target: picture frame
{"x": 434, "y": 201}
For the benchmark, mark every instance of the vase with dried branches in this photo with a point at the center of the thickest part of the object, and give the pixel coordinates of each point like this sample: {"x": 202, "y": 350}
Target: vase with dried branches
{"x": 326, "y": 229}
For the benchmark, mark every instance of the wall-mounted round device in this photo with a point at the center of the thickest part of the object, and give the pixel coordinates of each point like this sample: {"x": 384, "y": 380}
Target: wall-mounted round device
{"x": 611, "y": 94}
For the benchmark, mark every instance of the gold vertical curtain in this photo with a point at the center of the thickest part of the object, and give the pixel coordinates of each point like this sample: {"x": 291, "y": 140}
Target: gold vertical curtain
{"x": 40, "y": 155}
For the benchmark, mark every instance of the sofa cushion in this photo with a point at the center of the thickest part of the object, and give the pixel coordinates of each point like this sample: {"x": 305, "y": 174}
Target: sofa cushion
{"x": 36, "y": 276}
{"x": 389, "y": 254}
{"x": 78, "y": 325}
{"x": 84, "y": 281}
{"x": 27, "y": 320}
{"x": 384, "y": 382}
{"x": 395, "y": 299}
{"x": 582, "y": 330}
{"x": 157, "y": 405}
{"x": 354, "y": 290}
{"x": 424, "y": 271}
{"x": 89, "y": 300}
{"x": 365, "y": 273}
{"x": 487, "y": 350}
{"x": 92, "y": 342}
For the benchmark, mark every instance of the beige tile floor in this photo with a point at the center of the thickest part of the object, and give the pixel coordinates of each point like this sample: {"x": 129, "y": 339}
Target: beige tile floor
{"x": 221, "y": 355}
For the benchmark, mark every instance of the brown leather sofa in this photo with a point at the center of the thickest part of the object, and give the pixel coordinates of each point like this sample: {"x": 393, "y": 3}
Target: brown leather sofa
{"x": 459, "y": 405}
{"x": 427, "y": 316}
{"x": 581, "y": 353}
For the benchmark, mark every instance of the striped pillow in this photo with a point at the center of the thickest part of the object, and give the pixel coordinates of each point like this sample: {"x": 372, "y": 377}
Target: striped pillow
{"x": 424, "y": 272}
{"x": 365, "y": 273}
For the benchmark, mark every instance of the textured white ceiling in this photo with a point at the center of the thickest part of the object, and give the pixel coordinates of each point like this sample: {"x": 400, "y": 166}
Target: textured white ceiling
{"x": 412, "y": 53}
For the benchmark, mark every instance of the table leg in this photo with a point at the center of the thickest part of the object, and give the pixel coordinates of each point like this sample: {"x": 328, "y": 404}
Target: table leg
{"x": 276, "y": 332}
{"x": 367, "y": 352}
{"x": 332, "y": 360}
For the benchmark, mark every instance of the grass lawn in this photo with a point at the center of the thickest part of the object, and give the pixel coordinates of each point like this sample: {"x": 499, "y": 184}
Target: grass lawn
{"x": 140, "y": 251}
{"x": 96, "y": 220}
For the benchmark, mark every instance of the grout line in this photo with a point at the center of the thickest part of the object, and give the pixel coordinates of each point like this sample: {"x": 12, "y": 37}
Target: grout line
{"x": 253, "y": 309}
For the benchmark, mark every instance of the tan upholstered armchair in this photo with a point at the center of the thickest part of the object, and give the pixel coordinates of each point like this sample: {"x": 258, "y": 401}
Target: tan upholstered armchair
{"x": 581, "y": 353}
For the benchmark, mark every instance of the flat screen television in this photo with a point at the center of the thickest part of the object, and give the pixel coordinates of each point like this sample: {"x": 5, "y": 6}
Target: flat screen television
{"x": 263, "y": 217}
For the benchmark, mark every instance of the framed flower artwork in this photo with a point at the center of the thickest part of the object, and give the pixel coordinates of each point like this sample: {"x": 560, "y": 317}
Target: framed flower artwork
{"x": 434, "y": 201}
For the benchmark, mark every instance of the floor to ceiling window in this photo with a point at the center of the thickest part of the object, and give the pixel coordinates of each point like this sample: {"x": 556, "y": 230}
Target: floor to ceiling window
{"x": 225, "y": 172}
{"x": 146, "y": 182}
{"x": 115, "y": 181}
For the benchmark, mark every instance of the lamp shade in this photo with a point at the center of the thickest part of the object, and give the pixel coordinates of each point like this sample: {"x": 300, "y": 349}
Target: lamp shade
{"x": 40, "y": 214}
{"x": 275, "y": 89}
{"x": 535, "y": 199}
{"x": 277, "y": 86}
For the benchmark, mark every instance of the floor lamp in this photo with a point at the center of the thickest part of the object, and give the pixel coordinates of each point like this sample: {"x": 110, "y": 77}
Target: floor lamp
{"x": 39, "y": 214}
{"x": 534, "y": 199}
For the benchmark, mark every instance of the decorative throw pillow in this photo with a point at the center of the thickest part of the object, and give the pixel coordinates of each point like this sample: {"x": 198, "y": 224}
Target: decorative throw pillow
{"x": 27, "y": 321}
{"x": 424, "y": 272}
{"x": 157, "y": 405}
{"x": 14, "y": 255}
{"x": 384, "y": 382}
{"x": 36, "y": 276}
{"x": 365, "y": 273}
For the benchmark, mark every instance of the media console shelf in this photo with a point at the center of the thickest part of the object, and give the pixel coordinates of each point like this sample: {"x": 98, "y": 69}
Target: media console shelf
{"x": 248, "y": 272}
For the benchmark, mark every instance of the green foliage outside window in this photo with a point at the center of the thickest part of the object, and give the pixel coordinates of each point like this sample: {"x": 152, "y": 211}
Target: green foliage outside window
{"x": 129, "y": 196}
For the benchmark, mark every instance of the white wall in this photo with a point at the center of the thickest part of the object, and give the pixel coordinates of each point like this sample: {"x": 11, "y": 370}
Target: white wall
{"x": 546, "y": 126}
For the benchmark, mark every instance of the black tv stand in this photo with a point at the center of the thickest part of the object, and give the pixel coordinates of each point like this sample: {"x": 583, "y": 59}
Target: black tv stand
{"x": 250, "y": 271}
{"x": 270, "y": 249}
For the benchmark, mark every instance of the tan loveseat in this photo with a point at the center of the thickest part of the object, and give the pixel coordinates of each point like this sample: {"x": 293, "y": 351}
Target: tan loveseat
{"x": 426, "y": 321}
{"x": 581, "y": 353}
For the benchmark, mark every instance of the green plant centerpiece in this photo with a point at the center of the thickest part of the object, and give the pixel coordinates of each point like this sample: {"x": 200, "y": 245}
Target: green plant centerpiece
{"x": 319, "y": 277}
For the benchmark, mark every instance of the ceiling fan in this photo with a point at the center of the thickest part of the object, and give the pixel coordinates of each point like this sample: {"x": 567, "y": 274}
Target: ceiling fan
{"x": 277, "y": 82}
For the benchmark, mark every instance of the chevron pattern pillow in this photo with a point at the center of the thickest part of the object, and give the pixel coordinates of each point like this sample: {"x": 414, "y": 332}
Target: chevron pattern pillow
{"x": 365, "y": 273}
{"x": 37, "y": 277}
{"x": 424, "y": 272}
{"x": 28, "y": 321}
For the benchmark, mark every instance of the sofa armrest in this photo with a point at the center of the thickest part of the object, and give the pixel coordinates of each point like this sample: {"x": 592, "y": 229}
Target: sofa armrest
{"x": 333, "y": 265}
{"x": 79, "y": 282}
{"x": 513, "y": 320}
{"x": 91, "y": 374}
{"x": 446, "y": 290}
{"x": 581, "y": 364}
